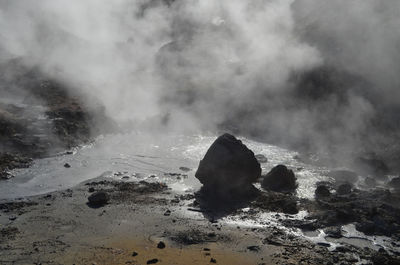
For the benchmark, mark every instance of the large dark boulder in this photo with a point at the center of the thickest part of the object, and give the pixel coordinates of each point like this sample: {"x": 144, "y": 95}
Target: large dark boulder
{"x": 280, "y": 179}
{"x": 228, "y": 167}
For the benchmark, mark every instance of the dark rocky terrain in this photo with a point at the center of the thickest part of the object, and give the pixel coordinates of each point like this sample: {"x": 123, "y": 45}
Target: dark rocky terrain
{"x": 41, "y": 117}
{"x": 145, "y": 221}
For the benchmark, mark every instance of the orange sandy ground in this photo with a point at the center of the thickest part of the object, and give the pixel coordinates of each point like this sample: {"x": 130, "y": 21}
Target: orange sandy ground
{"x": 121, "y": 253}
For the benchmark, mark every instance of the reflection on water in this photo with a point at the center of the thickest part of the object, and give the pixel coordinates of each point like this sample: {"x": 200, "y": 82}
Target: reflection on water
{"x": 141, "y": 155}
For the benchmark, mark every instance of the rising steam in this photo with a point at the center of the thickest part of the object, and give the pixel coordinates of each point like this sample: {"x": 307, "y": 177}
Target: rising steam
{"x": 299, "y": 72}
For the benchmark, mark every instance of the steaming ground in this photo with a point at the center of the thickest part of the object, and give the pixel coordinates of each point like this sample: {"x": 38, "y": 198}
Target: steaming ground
{"x": 299, "y": 73}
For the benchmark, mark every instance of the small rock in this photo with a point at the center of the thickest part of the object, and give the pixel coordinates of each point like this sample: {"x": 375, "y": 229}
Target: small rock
{"x": 206, "y": 249}
{"x": 185, "y": 169}
{"x": 322, "y": 192}
{"x": 280, "y": 179}
{"x": 152, "y": 261}
{"x": 261, "y": 158}
{"x": 161, "y": 245}
{"x": 91, "y": 189}
{"x": 99, "y": 198}
{"x": 367, "y": 227}
{"x": 212, "y": 234}
{"x": 66, "y": 165}
{"x": 134, "y": 254}
{"x": 6, "y": 175}
{"x": 176, "y": 200}
{"x": 212, "y": 260}
{"x": 12, "y": 218}
{"x": 167, "y": 213}
{"x": 254, "y": 248}
{"x": 342, "y": 249}
{"x": 334, "y": 231}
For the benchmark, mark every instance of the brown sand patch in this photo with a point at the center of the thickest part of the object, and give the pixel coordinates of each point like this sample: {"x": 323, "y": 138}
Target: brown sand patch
{"x": 122, "y": 252}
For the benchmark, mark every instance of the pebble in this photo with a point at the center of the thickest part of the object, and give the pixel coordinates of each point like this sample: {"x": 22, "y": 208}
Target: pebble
{"x": 161, "y": 245}
{"x": 167, "y": 213}
{"x": 152, "y": 261}
{"x": 99, "y": 198}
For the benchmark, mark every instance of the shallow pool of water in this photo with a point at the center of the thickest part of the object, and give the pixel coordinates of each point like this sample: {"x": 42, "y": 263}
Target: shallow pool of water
{"x": 139, "y": 155}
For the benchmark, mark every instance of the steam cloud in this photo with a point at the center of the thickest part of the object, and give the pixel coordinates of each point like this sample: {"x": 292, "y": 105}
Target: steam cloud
{"x": 199, "y": 64}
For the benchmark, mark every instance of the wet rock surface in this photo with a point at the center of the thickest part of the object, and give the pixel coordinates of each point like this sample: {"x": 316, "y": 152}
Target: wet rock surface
{"x": 375, "y": 212}
{"x": 11, "y": 161}
{"x": 280, "y": 179}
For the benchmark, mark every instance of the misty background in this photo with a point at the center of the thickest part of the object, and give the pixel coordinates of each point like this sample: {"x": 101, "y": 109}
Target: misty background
{"x": 320, "y": 76}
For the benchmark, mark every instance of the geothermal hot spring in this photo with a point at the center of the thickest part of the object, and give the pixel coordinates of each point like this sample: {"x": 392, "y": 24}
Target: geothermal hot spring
{"x": 304, "y": 77}
{"x": 173, "y": 159}
{"x": 149, "y": 157}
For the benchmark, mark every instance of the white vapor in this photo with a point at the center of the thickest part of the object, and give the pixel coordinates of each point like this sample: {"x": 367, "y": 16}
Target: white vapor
{"x": 197, "y": 64}
{"x": 135, "y": 55}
